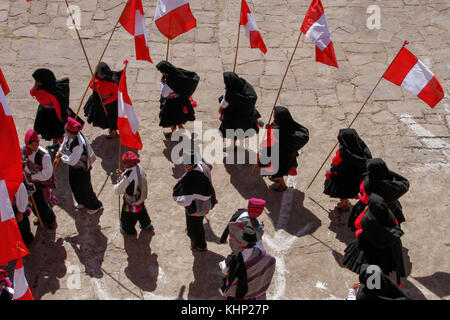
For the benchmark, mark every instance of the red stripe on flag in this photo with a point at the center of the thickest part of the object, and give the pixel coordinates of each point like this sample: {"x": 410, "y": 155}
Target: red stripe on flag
{"x": 400, "y": 67}
{"x": 142, "y": 51}
{"x": 256, "y": 41}
{"x": 244, "y": 11}
{"x": 176, "y": 22}
{"x": 128, "y": 17}
{"x": 327, "y": 56}
{"x": 315, "y": 11}
{"x": 11, "y": 166}
{"x": 432, "y": 93}
{"x": 127, "y": 138}
{"x": 10, "y": 238}
{"x": 3, "y": 83}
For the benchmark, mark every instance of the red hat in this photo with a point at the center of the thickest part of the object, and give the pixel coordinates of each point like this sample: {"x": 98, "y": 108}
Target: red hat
{"x": 31, "y": 136}
{"x": 73, "y": 125}
{"x": 130, "y": 158}
{"x": 255, "y": 207}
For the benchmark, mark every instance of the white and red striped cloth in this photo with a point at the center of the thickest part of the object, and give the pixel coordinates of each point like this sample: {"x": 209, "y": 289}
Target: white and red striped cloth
{"x": 174, "y": 17}
{"x": 127, "y": 121}
{"x": 10, "y": 237}
{"x": 315, "y": 28}
{"x": 10, "y": 166}
{"x": 21, "y": 288}
{"x": 132, "y": 19}
{"x": 251, "y": 29}
{"x": 410, "y": 73}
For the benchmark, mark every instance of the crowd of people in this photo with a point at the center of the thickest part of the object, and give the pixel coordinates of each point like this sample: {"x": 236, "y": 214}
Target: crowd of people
{"x": 248, "y": 270}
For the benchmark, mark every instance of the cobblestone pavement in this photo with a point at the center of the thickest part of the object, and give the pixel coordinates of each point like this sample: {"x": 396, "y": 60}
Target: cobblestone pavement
{"x": 302, "y": 229}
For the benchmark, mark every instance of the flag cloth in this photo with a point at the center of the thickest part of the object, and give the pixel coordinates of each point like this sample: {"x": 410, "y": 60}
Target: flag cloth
{"x": 10, "y": 237}
{"x": 11, "y": 165}
{"x": 132, "y": 19}
{"x": 21, "y": 287}
{"x": 174, "y": 17}
{"x": 251, "y": 30}
{"x": 315, "y": 28}
{"x": 410, "y": 73}
{"x": 127, "y": 121}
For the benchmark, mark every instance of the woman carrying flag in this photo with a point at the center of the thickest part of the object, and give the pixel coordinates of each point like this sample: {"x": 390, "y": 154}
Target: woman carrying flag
{"x": 101, "y": 108}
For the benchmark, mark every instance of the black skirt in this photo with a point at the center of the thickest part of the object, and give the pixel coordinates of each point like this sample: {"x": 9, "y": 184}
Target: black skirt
{"x": 96, "y": 116}
{"x": 345, "y": 184}
{"x": 47, "y": 124}
{"x": 175, "y": 112}
{"x": 360, "y": 252}
{"x": 239, "y": 122}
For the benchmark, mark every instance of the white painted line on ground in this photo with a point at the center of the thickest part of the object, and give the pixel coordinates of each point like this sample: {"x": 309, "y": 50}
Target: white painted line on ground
{"x": 99, "y": 288}
{"x": 280, "y": 279}
{"x": 426, "y": 137}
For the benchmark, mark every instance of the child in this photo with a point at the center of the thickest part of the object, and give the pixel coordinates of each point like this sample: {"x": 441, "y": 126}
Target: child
{"x": 133, "y": 186}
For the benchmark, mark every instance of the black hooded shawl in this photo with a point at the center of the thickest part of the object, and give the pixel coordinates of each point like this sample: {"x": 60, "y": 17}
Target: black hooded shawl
{"x": 388, "y": 184}
{"x": 240, "y": 112}
{"x": 193, "y": 184}
{"x": 292, "y": 136}
{"x": 388, "y": 289}
{"x": 348, "y": 175}
{"x": 108, "y": 74}
{"x": 379, "y": 242}
{"x": 181, "y": 81}
{"x": 58, "y": 88}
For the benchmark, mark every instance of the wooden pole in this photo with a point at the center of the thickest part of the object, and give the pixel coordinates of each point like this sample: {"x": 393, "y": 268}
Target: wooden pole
{"x": 79, "y": 37}
{"x": 238, "y": 34}
{"x": 37, "y": 212}
{"x": 356, "y": 116}
{"x": 96, "y": 68}
{"x": 284, "y": 77}
{"x": 120, "y": 156}
{"x": 167, "y": 52}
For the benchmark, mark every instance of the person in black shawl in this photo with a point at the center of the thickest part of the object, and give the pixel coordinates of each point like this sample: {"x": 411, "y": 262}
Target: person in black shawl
{"x": 378, "y": 241}
{"x": 53, "y": 98}
{"x": 347, "y": 168}
{"x": 384, "y": 182}
{"x": 374, "y": 285}
{"x": 177, "y": 87}
{"x": 105, "y": 86}
{"x": 237, "y": 107}
{"x": 289, "y": 137}
{"x": 195, "y": 192}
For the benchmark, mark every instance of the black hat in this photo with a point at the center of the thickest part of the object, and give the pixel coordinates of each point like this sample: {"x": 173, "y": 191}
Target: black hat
{"x": 248, "y": 235}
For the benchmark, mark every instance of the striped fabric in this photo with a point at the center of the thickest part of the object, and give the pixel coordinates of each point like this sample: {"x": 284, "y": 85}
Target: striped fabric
{"x": 260, "y": 270}
{"x": 131, "y": 208}
{"x": 256, "y": 207}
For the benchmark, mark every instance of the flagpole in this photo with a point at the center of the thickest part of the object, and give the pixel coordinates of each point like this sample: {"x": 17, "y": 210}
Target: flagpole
{"x": 79, "y": 37}
{"x": 120, "y": 155}
{"x": 167, "y": 52}
{"x": 37, "y": 212}
{"x": 96, "y": 68}
{"x": 356, "y": 116}
{"x": 237, "y": 43}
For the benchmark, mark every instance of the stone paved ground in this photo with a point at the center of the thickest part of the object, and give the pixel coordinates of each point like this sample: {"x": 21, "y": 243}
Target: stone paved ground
{"x": 302, "y": 230}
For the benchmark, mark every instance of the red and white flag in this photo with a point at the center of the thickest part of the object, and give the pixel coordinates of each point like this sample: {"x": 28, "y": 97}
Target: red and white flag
{"x": 315, "y": 28}
{"x": 21, "y": 287}
{"x": 11, "y": 243}
{"x": 174, "y": 17}
{"x": 127, "y": 121}
{"x": 410, "y": 73}
{"x": 132, "y": 19}
{"x": 251, "y": 30}
{"x": 11, "y": 165}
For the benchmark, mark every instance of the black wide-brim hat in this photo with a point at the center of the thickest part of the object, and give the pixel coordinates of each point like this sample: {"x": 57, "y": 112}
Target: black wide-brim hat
{"x": 248, "y": 235}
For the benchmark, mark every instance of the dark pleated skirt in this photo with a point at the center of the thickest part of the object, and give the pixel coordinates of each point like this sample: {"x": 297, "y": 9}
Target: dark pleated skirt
{"x": 344, "y": 184}
{"x": 47, "y": 124}
{"x": 243, "y": 123}
{"x": 96, "y": 116}
{"x": 175, "y": 112}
